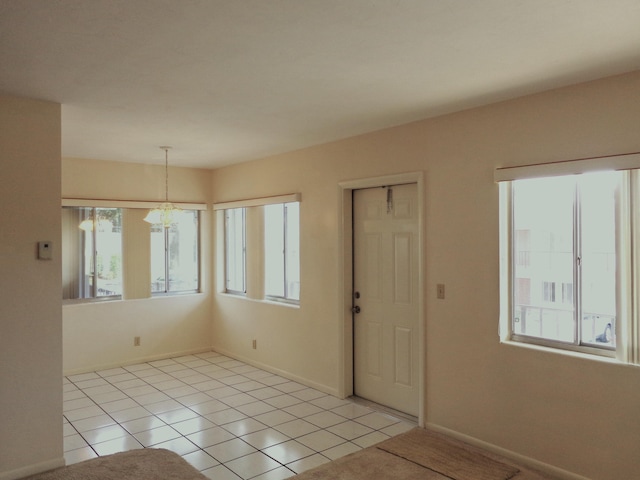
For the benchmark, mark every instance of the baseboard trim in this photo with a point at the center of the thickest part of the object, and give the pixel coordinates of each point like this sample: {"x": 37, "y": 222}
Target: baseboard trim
{"x": 556, "y": 472}
{"x": 32, "y": 469}
{"x": 277, "y": 371}
{"x": 134, "y": 361}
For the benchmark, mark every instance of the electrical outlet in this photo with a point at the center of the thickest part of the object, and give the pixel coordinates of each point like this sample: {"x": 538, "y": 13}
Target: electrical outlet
{"x": 255, "y": 344}
{"x": 440, "y": 291}
{"x": 136, "y": 341}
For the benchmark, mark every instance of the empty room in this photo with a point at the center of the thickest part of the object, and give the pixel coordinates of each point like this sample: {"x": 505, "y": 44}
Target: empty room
{"x": 267, "y": 235}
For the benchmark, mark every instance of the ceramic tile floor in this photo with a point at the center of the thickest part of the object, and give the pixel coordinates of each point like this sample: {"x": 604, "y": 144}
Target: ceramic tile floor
{"x": 228, "y": 419}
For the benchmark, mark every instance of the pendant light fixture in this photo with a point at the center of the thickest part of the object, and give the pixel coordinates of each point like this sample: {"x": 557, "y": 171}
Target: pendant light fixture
{"x": 166, "y": 213}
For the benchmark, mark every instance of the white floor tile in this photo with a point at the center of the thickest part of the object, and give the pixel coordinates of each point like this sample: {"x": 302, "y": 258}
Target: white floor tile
{"x": 79, "y": 455}
{"x": 228, "y": 419}
{"x": 308, "y": 463}
{"x": 180, "y": 445}
{"x": 92, "y": 423}
{"x": 275, "y": 417}
{"x": 341, "y": 450}
{"x": 288, "y": 452}
{"x": 142, "y": 424}
{"x": 225, "y": 416}
{"x": 220, "y": 472}
{"x": 193, "y": 425}
{"x": 296, "y": 428}
{"x": 265, "y": 438}
{"x": 211, "y": 436}
{"x": 252, "y": 465}
{"x": 104, "y": 434}
{"x": 324, "y": 419}
{"x": 179, "y": 392}
{"x": 122, "y": 444}
{"x": 154, "y": 436}
{"x": 377, "y": 420}
{"x": 279, "y": 473}
{"x": 350, "y": 430}
{"x": 229, "y": 450}
{"x": 321, "y": 440}
{"x": 200, "y": 460}
{"x": 244, "y": 427}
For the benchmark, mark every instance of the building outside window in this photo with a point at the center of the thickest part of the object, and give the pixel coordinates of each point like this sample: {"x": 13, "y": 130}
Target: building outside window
{"x": 175, "y": 255}
{"x": 282, "y": 251}
{"x": 91, "y": 253}
{"x": 565, "y": 271}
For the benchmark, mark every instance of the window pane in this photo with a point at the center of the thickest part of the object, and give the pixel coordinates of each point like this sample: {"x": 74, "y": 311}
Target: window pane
{"x": 235, "y": 249}
{"x": 91, "y": 252}
{"x": 183, "y": 253}
{"x": 108, "y": 259}
{"x": 543, "y": 256}
{"x": 274, "y": 250}
{"x": 292, "y": 258}
{"x": 158, "y": 271}
{"x": 598, "y": 204}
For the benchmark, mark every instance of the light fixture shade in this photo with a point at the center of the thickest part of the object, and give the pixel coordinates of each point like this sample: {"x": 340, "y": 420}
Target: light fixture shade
{"x": 166, "y": 214}
{"x": 86, "y": 225}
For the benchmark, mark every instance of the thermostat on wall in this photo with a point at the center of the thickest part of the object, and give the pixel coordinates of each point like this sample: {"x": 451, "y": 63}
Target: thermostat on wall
{"x": 45, "y": 250}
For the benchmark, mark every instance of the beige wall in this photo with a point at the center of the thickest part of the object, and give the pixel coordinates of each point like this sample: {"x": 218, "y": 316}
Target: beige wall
{"x": 30, "y": 306}
{"x": 574, "y": 413}
{"x": 100, "y": 335}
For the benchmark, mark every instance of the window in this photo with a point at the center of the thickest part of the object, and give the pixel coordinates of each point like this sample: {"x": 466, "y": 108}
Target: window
{"x": 566, "y": 267}
{"x": 282, "y": 251}
{"x": 235, "y": 250}
{"x": 175, "y": 255}
{"x": 91, "y": 253}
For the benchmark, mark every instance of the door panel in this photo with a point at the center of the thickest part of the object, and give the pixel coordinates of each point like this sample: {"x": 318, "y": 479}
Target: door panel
{"x": 386, "y": 276}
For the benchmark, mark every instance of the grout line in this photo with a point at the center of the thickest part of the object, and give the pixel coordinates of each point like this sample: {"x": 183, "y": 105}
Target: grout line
{"x": 219, "y": 375}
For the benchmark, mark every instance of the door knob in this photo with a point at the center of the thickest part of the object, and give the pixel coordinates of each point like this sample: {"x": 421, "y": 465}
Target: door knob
{"x": 355, "y": 309}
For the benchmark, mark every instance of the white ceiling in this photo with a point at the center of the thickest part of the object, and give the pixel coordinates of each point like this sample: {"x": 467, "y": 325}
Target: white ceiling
{"x": 226, "y": 81}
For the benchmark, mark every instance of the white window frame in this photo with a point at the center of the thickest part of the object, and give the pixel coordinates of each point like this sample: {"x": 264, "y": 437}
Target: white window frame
{"x": 166, "y": 291}
{"x": 88, "y": 293}
{"x": 287, "y": 295}
{"x": 243, "y": 249}
{"x": 628, "y": 247}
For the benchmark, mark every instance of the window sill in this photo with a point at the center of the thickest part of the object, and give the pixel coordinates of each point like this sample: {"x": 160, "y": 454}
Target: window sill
{"x": 568, "y": 353}
{"x": 265, "y": 301}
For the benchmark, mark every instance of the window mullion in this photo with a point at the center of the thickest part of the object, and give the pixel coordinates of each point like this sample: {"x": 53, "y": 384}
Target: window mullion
{"x": 284, "y": 250}
{"x": 577, "y": 270}
{"x": 166, "y": 260}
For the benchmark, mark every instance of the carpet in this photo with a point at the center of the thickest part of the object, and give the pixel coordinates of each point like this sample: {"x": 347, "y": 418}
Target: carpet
{"x": 140, "y": 464}
{"x": 413, "y": 455}
{"x": 445, "y": 456}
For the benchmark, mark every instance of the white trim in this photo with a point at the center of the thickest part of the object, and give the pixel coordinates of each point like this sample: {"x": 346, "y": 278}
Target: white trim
{"x": 556, "y": 472}
{"x": 283, "y": 373}
{"x": 345, "y": 279}
{"x": 628, "y": 161}
{"x": 34, "y": 469}
{"x": 142, "y": 204}
{"x": 258, "y": 202}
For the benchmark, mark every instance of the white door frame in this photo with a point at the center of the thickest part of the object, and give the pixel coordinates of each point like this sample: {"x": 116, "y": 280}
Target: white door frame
{"x": 345, "y": 280}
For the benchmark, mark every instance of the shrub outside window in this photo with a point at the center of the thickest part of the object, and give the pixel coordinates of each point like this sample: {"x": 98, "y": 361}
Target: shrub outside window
{"x": 91, "y": 253}
{"x": 175, "y": 255}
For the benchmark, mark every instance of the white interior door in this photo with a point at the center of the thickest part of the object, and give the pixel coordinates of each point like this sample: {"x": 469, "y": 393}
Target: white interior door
{"x": 386, "y": 270}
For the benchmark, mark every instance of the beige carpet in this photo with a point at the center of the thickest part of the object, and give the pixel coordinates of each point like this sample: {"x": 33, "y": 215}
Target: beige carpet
{"x": 141, "y": 464}
{"x": 445, "y": 456}
{"x": 421, "y": 454}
